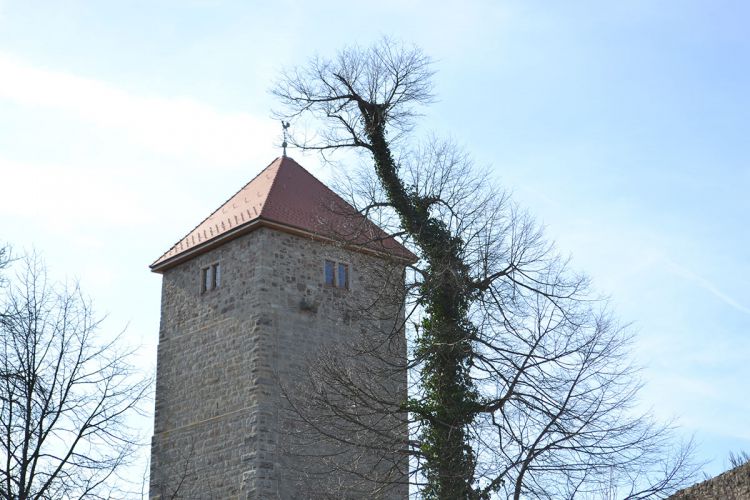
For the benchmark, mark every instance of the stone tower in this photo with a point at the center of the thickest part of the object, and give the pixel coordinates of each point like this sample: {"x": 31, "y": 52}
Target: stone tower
{"x": 275, "y": 276}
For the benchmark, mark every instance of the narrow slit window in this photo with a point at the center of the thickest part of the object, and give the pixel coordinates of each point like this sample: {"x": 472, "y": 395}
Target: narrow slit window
{"x": 343, "y": 276}
{"x": 205, "y": 279}
{"x": 216, "y": 275}
{"x": 330, "y": 277}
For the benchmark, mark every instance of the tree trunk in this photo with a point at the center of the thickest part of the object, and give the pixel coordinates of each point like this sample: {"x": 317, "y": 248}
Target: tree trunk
{"x": 450, "y": 401}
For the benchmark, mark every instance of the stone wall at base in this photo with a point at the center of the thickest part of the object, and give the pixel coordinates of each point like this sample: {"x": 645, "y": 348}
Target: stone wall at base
{"x": 733, "y": 484}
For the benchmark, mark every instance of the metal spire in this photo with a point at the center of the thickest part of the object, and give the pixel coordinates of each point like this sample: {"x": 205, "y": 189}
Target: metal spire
{"x": 284, "y": 126}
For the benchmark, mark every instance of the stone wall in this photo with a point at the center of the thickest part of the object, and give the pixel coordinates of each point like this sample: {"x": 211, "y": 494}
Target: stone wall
{"x": 207, "y": 387}
{"x": 733, "y": 484}
{"x": 224, "y": 356}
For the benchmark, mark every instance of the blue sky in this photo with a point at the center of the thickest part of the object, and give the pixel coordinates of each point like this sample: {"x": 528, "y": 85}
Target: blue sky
{"x": 622, "y": 126}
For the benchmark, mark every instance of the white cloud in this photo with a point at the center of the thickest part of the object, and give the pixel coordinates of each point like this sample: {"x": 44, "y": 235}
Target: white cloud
{"x": 62, "y": 197}
{"x": 181, "y": 127}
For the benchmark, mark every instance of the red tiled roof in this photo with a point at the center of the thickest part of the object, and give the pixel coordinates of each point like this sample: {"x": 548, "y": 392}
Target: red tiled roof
{"x": 286, "y": 196}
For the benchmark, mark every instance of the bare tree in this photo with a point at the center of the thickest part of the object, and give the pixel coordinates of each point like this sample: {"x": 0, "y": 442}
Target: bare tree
{"x": 65, "y": 396}
{"x": 522, "y": 384}
{"x": 5, "y": 259}
{"x": 738, "y": 459}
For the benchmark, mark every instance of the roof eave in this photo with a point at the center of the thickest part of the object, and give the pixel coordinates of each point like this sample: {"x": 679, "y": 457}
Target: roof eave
{"x": 160, "y": 266}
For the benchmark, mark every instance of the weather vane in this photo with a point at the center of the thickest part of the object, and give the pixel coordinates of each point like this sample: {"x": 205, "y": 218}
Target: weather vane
{"x": 285, "y": 126}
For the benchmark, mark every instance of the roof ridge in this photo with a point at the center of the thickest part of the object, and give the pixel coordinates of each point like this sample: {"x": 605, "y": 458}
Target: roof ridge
{"x": 325, "y": 186}
{"x": 336, "y": 196}
{"x": 275, "y": 179}
{"x": 221, "y": 206}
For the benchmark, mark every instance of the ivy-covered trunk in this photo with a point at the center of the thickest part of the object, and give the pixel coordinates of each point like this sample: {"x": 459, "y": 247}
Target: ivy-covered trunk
{"x": 450, "y": 401}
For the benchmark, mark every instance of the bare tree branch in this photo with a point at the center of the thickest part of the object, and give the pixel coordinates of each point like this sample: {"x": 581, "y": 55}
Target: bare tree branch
{"x": 65, "y": 397}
